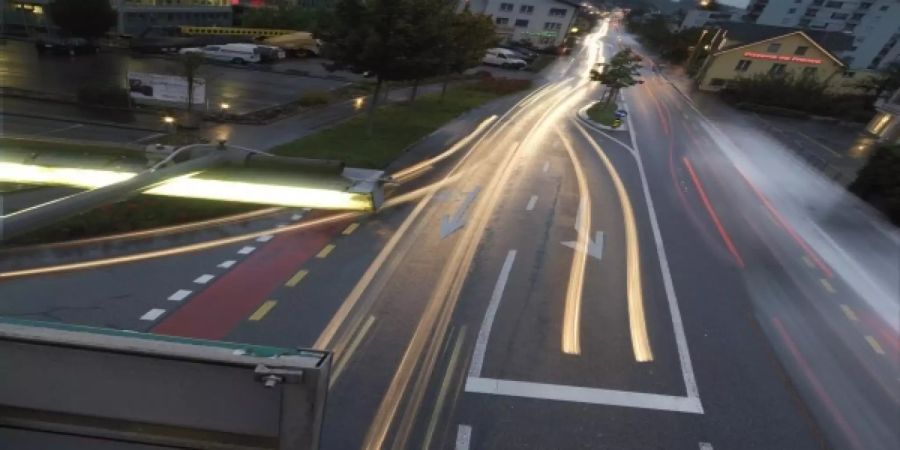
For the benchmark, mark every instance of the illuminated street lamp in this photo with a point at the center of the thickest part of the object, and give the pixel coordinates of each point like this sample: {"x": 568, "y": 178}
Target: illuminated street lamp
{"x": 704, "y": 3}
{"x": 169, "y": 120}
{"x": 224, "y": 106}
{"x": 574, "y": 30}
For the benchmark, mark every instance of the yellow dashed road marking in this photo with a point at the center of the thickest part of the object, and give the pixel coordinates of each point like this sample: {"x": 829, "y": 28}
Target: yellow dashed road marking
{"x": 296, "y": 278}
{"x": 875, "y": 345}
{"x": 325, "y": 251}
{"x": 350, "y": 228}
{"x": 849, "y": 313}
{"x": 827, "y": 285}
{"x": 263, "y": 310}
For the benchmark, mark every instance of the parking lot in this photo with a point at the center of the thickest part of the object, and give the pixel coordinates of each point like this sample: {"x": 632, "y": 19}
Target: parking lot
{"x": 243, "y": 89}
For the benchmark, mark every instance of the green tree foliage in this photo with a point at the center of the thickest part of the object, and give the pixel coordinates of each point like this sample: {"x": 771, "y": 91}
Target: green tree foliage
{"x": 673, "y": 46}
{"x": 621, "y": 72}
{"x": 469, "y": 37}
{"x": 879, "y": 181}
{"x": 287, "y": 16}
{"x": 806, "y": 94}
{"x": 82, "y": 18}
{"x": 887, "y": 82}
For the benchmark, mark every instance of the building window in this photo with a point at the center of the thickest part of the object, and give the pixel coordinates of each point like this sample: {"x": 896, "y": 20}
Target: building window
{"x": 521, "y": 23}
{"x": 717, "y": 82}
{"x": 506, "y": 7}
{"x": 839, "y": 16}
{"x": 552, "y": 26}
{"x": 834, "y": 5}
{"x": 884, "y": 8}
{"x": 865, "y": 5}
{"x": 801, "y": 50}
{"x": 809, "y": 72}
{"x": 743, "y": 65}
{"x": 526, "y": 9}
{"x": 792, "y": 10}
{"x": 777, "y": 69}
{"x": 773, "y": 47}
{"x": 558, "y": 12}
{"x": 503, "y": 21}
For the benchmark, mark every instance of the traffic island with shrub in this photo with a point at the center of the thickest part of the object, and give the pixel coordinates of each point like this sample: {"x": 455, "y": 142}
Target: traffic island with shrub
{"x": 604, "y": 114}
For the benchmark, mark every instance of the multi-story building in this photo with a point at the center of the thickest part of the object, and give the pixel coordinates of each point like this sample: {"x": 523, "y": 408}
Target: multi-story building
{"x": 699, "y": 18}
{"x": 136, "y": 16}
{"x": 886, "y": 123}
{"x": 542, "y": 22}
{"x": 875, "y": 24}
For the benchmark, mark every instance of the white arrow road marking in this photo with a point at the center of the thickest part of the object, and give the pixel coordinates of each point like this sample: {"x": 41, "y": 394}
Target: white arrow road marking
{"x": 593, "y": 248}
{"x": 449, "y": 224}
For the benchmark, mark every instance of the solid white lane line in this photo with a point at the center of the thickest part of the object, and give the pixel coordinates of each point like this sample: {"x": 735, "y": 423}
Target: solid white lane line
{"x": 246, "y": 250}
{"x": 296, "y": 216}
{"x": 180, "y": 295}
{"x": 546, "y": 166}
{"x": 485, "y": 331}
{"x": 226, "y": 264}
{"x": 203, "y": 279}
{"x": 706, "y": 446}
{"x": 463, "y": 437}
{"x": 531, "y": 203}
{"x": 579, "y": 394}
{"x": 264, "y": 238}
{"x": 153, "y": 314}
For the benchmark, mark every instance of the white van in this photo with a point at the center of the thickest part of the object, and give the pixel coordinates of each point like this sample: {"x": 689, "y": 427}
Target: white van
{"x": 502, "y": 57}
{"x": 235, "y": 53}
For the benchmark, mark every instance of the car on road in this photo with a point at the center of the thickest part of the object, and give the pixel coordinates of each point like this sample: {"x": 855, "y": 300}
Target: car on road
{"x": 65, "y": 46}
{"x": 233, "y": 53}
{"x": 504, "y": 58}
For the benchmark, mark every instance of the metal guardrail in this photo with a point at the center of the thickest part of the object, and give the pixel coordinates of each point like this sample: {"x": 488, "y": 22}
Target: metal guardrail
{"x": 142, "y": 388}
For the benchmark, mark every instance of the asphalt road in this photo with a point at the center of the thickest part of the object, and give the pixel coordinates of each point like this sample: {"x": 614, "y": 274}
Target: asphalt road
{"x": 245, "y": 90}
{"x": 488, "y": 310}
{"x": 15, "y": 125}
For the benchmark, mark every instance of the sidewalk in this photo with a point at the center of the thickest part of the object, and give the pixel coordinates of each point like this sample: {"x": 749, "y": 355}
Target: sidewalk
{"x": 70, "y": 112}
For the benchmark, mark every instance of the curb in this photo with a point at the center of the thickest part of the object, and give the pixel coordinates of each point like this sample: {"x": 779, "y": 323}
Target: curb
{"x": 84, "y": 121}
{"x": 582, "y": 114}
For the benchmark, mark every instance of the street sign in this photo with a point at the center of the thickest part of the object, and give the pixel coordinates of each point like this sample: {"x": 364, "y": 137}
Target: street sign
{"x": 621, "y": 114}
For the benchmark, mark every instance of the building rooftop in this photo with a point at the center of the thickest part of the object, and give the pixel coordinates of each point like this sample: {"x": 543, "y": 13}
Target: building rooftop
{"x": 740, "y": 33}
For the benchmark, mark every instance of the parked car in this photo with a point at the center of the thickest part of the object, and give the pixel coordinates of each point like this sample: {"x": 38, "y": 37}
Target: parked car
{"x": 270, "y": 53}
{"x": 65, "y": 46}
{"x": 523, "y": 53}
{"x": 504, "y": 58}
{"x": 233, "y": 53}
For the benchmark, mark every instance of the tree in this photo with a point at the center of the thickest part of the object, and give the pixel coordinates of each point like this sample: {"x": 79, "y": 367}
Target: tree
{"x": 469, "y": 38}
{"x": 288, "y": 16}
{"x": 373, "y": 36}
{"x": 190, "y": 66}
{"x": 82, "y": 18}
{"x": 427, "y": 52}
{"x": 619, "y": 73}
{"x": 887, "y": 81}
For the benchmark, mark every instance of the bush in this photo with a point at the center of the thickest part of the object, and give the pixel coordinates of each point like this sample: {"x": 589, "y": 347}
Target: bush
{"x": 315, "y": 98}
{"x": 804, "y": 94}
{"x": 501, "y": 86}
{"x": 103, "y": 95}
{"x": 878, "y": 183}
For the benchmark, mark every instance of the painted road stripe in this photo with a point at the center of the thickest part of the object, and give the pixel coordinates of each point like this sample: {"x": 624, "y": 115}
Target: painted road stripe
{"x": 463, "y": 437}
{"x": 57, "y": 130}
{"x": 149, "y": 137}
{"x": 706, "y": 446}
{"x": 226, "y": 264}
{"x": 203, "y": 279}
{"x": 875, "y": 345}
{"x": 180, "y": 295}
{"x": 153, "y": 314}
{"x": 264, "y": 238}
{"x": 296, "y": 216}
{"x": 350, "y": 228}
{"x": 484, "y": 333}
{"x": 445, "y": 386}
{"x": 578, "y": 394}
{"x": 246, "y": 250}
{"x": 263, "y": 310}
{"x": 354, "y": 344}
{"x": 296, "y": 278}
{"x": 531, "y": 203}
{"x": 546, "y": 166}
{"x": 827, "y": 285}
{"x": 325, "y": 251}
{"x": 849, "y": 313}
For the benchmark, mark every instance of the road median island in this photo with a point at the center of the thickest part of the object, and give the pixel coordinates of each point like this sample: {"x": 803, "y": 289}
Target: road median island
{"x": 397, "y": 126}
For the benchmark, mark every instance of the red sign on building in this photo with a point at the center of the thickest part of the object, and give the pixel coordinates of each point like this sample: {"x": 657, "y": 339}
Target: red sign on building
{"x": 782, "y": 58}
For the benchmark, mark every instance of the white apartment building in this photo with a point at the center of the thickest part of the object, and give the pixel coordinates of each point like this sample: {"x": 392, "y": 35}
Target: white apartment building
{"x": 699, "y": 18}
{"x": 135, "y": 16}
{"x": 875, "y": 25}
{"x": 543, "y": 22}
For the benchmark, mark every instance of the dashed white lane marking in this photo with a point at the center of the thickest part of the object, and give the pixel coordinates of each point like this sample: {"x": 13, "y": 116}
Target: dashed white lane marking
{"x": 546, "y": 166}
{"x": 264, "y": 238}
{"x": 180, "y": 295}
{"x": 706, "y": 446}
{"x": 485, "y": 332}
{"x": 296, "y": 216}
{"x": 203, "y": 279}
{"x": 246, "y": 250}
{"x": 153, "y": 314}
{"x": 281, "y": 225}
{"x": 227, "y": 264}
{"x": 531, "y": 203}
{"x": 463, "y": 437}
